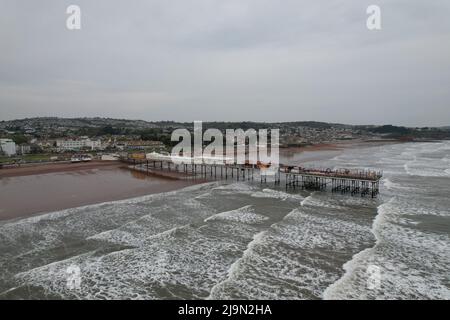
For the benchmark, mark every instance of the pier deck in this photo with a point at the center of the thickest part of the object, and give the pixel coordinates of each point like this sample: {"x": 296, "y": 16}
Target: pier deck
{"x": 354, "y": 182}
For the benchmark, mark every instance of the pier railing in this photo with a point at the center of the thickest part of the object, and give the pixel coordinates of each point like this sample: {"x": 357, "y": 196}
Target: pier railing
{"x": 336, "y": 173}
{"x": 352, "y": 181}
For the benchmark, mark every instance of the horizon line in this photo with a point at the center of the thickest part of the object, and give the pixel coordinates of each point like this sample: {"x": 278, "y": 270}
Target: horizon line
{"x": 223, "y": 121}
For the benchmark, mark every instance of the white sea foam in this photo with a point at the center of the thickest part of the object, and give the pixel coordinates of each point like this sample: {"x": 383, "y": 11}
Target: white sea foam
{"x": 409, "y": 262}
{"x": 389, "y": 184}
{"x": 178, "y": 258}
{"x": 280, "y": 263}
{"x": 182, "y": 245}
{"x": 276, "y": 194}
{"x": 344, "y": 283}
{"x": 425, "y": 169}
{"x": 317, "y": 202}
{"x": 306, "y": 199}
{"x": 261, "y": 260}
{"x": 235, "y": 267}
{"x": 245, "y": 214}
{"x": 311, "y": 231}
{"x": 203, "y": 196}
{"x": 392, "y": 185}
{"x": 236, "y": 187}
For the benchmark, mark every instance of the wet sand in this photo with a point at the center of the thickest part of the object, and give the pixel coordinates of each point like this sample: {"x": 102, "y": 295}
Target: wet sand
{"x": 32, "y": 190}
{"x": 32, "y": 169}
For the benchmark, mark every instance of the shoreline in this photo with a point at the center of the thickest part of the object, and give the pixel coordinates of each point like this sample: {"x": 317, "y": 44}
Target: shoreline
{"x": 37, "y": 189}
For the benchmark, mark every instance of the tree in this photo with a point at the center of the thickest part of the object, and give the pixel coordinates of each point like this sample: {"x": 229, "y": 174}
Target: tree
{"x": 19, "y": 139}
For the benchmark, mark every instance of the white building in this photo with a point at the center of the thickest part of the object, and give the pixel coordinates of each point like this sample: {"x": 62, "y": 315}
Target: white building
{"x": 78, "y": 144}
{"x": 23, "y": 149}
{"x": 8, "y": 147}
{"x": 93, "y": 144}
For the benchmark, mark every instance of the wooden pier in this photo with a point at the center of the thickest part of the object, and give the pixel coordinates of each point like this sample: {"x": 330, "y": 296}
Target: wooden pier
{"x": 353, "y": 182}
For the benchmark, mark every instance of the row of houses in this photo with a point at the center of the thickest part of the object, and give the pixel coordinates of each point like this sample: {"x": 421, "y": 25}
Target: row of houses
{"x": 9, "y": 148}
{"x": 78, "y": 144}
{"x": 87, "y": 143}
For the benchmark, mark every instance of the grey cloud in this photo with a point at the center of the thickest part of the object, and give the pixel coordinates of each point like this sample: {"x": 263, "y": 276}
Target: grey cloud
{"x": 262, "y": 60}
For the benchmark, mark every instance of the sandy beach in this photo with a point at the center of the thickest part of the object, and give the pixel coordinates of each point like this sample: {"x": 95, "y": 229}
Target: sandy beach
{"x": 32, "y": 169}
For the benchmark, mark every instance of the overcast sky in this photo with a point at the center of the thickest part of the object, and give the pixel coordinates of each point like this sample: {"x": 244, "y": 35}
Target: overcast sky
{"x": 258, "y": 60}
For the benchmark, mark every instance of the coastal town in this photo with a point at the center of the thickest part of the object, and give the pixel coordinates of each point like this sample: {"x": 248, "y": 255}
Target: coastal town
{"x": 224, "y": 158}
{"x": 56, "y": 139}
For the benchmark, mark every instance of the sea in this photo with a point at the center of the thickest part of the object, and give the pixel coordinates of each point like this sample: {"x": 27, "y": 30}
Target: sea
{"x": 247, "y": 240}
